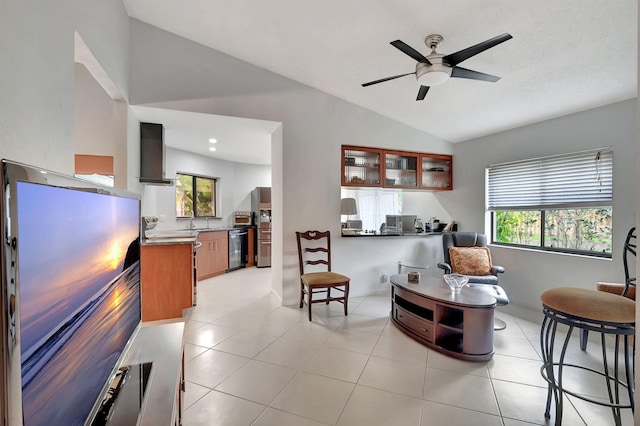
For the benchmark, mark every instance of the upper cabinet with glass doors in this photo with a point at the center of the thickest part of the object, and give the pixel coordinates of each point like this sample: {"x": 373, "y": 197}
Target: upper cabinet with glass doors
{"x": 401, "y": 169}
{"x": 361, "y": 166}
{"x": 374, "y": 167}
{"x": 435, "y": 172}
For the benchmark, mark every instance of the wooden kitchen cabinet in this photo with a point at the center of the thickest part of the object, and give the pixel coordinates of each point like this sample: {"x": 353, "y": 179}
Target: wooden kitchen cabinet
{"x": 212, "y": 257}
{"x": 166, "y": 280}
{"x": 386, "y": 168}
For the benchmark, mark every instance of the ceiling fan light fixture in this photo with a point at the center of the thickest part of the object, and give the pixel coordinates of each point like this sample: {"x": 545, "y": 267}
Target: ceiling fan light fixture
{"x": 432, "y": 75}
{"x": 433, "y": 78}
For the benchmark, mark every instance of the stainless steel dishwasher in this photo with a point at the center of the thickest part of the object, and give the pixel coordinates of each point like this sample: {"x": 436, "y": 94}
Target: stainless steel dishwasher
{"x": 238, "y": 248}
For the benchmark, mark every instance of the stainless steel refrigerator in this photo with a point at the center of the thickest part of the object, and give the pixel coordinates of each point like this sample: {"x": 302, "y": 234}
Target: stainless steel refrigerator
{"x": 261, "y": 207}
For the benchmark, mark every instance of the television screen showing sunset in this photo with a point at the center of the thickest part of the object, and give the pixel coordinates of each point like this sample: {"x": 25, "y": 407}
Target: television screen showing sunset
{"x": 79, "y": 296}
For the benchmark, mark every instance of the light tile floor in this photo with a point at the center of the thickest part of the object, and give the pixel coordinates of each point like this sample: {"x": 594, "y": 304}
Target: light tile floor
{"x": 251, "y": 361}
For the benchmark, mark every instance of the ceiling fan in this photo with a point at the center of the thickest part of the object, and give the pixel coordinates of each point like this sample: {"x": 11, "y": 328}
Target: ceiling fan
{"x": 436, "y": 68}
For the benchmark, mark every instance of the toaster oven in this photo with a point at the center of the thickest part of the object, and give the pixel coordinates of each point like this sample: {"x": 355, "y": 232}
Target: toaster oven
{"x": 242, "y": 218}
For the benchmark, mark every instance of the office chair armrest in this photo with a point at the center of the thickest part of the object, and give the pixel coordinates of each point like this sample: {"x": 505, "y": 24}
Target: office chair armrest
{"x": 497, "y": 269}
{"x": 446, "y": 267}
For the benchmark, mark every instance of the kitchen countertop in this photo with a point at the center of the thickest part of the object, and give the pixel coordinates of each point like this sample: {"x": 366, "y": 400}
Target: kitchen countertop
{"x": 168, "y": 240}
{"x": 391, "y": 234}
{"x": 181, "y": 236}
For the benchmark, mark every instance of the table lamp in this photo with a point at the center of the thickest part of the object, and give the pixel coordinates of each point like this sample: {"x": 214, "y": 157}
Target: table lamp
{"x": 348, "y": 207}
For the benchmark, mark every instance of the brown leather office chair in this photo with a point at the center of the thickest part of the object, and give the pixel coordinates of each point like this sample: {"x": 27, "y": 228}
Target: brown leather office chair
{"x": 314, "y": 257}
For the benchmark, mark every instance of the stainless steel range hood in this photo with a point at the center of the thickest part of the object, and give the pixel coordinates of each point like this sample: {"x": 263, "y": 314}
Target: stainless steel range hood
{"x": 152, "y": 154}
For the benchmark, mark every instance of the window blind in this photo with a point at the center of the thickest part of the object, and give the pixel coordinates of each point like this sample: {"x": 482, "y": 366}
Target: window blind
{"x": 583, "y": 179}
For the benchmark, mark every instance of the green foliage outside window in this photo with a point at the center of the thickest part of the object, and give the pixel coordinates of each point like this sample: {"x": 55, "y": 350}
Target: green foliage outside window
{"x": 571, "y": 230}
{"x": 195, "y": 196}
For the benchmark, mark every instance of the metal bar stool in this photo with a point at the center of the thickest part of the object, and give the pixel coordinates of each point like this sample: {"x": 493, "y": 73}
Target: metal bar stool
{"x": 596, "y": 311}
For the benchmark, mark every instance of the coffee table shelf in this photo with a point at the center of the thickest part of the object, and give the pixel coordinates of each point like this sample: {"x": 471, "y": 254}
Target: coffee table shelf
{"x": 459, "y": 325}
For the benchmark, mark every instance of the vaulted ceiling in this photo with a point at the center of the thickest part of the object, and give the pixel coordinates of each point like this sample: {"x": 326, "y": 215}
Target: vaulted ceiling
{"x": 565, "y": 56}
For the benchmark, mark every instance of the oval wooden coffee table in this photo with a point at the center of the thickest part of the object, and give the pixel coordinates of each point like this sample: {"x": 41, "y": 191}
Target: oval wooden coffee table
{"x": 459, "y": 325}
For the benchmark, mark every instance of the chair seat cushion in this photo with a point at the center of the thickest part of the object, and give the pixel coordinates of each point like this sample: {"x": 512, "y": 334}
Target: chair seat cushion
{"x": 590, "y": 304}
{"x": 617, "y": 288}
{"x": 324, "y": 278}
{"x": 470, "y": 260}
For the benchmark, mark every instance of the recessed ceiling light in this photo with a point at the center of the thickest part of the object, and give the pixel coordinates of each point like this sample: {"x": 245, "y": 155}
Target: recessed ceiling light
{"x": 212, "y": 140}
{"x": 212, "y": 149}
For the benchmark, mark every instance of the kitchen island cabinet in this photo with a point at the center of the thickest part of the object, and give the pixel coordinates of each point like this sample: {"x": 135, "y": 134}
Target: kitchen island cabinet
{"x": 166, "y": 279}
{"x": 212, "y": 256}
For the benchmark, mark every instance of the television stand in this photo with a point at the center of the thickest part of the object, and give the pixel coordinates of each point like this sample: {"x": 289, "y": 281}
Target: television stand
{"x": 125, "y": 396}
{"x": 160, "y": 343}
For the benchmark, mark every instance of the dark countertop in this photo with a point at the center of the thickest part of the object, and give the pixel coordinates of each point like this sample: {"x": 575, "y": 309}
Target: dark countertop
{"x": 392, "y": 234}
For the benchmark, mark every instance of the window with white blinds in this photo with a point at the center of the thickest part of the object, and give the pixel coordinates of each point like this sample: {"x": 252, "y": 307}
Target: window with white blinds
{"x": 561, "y": 203}
{"x": 577, "y": 180}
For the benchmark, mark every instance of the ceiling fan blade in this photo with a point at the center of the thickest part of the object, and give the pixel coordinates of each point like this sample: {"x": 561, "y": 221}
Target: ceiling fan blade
{"x": 408, "y": 50}
{"x": 454, "y": 59}
{"x": 460, "y": 72}
{"x": 422, "y": 92}
{"x": 386, "y": 79}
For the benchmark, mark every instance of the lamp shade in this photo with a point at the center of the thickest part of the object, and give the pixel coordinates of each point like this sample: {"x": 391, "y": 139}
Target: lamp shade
{"x": 348, "y": 206}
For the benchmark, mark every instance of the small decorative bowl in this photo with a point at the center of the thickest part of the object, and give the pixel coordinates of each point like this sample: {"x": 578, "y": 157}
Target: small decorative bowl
{"x": 456, "y": 282}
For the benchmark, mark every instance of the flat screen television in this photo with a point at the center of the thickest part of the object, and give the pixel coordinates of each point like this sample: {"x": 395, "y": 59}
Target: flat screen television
{"x": 70, "y": 293}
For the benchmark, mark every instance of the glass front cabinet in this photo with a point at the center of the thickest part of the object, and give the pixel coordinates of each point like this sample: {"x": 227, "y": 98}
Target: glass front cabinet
{"x": 435, "y": 172}
{"x": 374, "y": 167}
{"x": 400, "y": 170}
{"x": 361, "y": 166}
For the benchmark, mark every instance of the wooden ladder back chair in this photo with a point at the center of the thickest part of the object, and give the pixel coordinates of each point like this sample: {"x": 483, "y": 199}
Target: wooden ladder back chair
{"x": 314, "y": 259}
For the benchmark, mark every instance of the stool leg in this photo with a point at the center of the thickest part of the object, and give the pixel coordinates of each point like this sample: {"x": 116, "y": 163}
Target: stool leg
{"x": 584, "y": 336}
{"x": 346, "y": 299}
{"x": 547, "y": 343}
{"x": 328, "y": 294}
{"x": 614, "y": 396}
{"x": 629, "y": 373}
{"x": 559, "y": 392}
{"x": 544, "y": 370}
{"x": 301, "y": 294}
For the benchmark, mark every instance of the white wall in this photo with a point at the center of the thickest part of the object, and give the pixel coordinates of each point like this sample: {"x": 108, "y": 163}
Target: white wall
{"x": 92, "y": 115}
{"x": 37, "y": 63}
{"x": 99, "y": 123}
{"x": 315, "y": 125}
{"x": 236, "y": 181}
{"x": 529, "y": 273}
